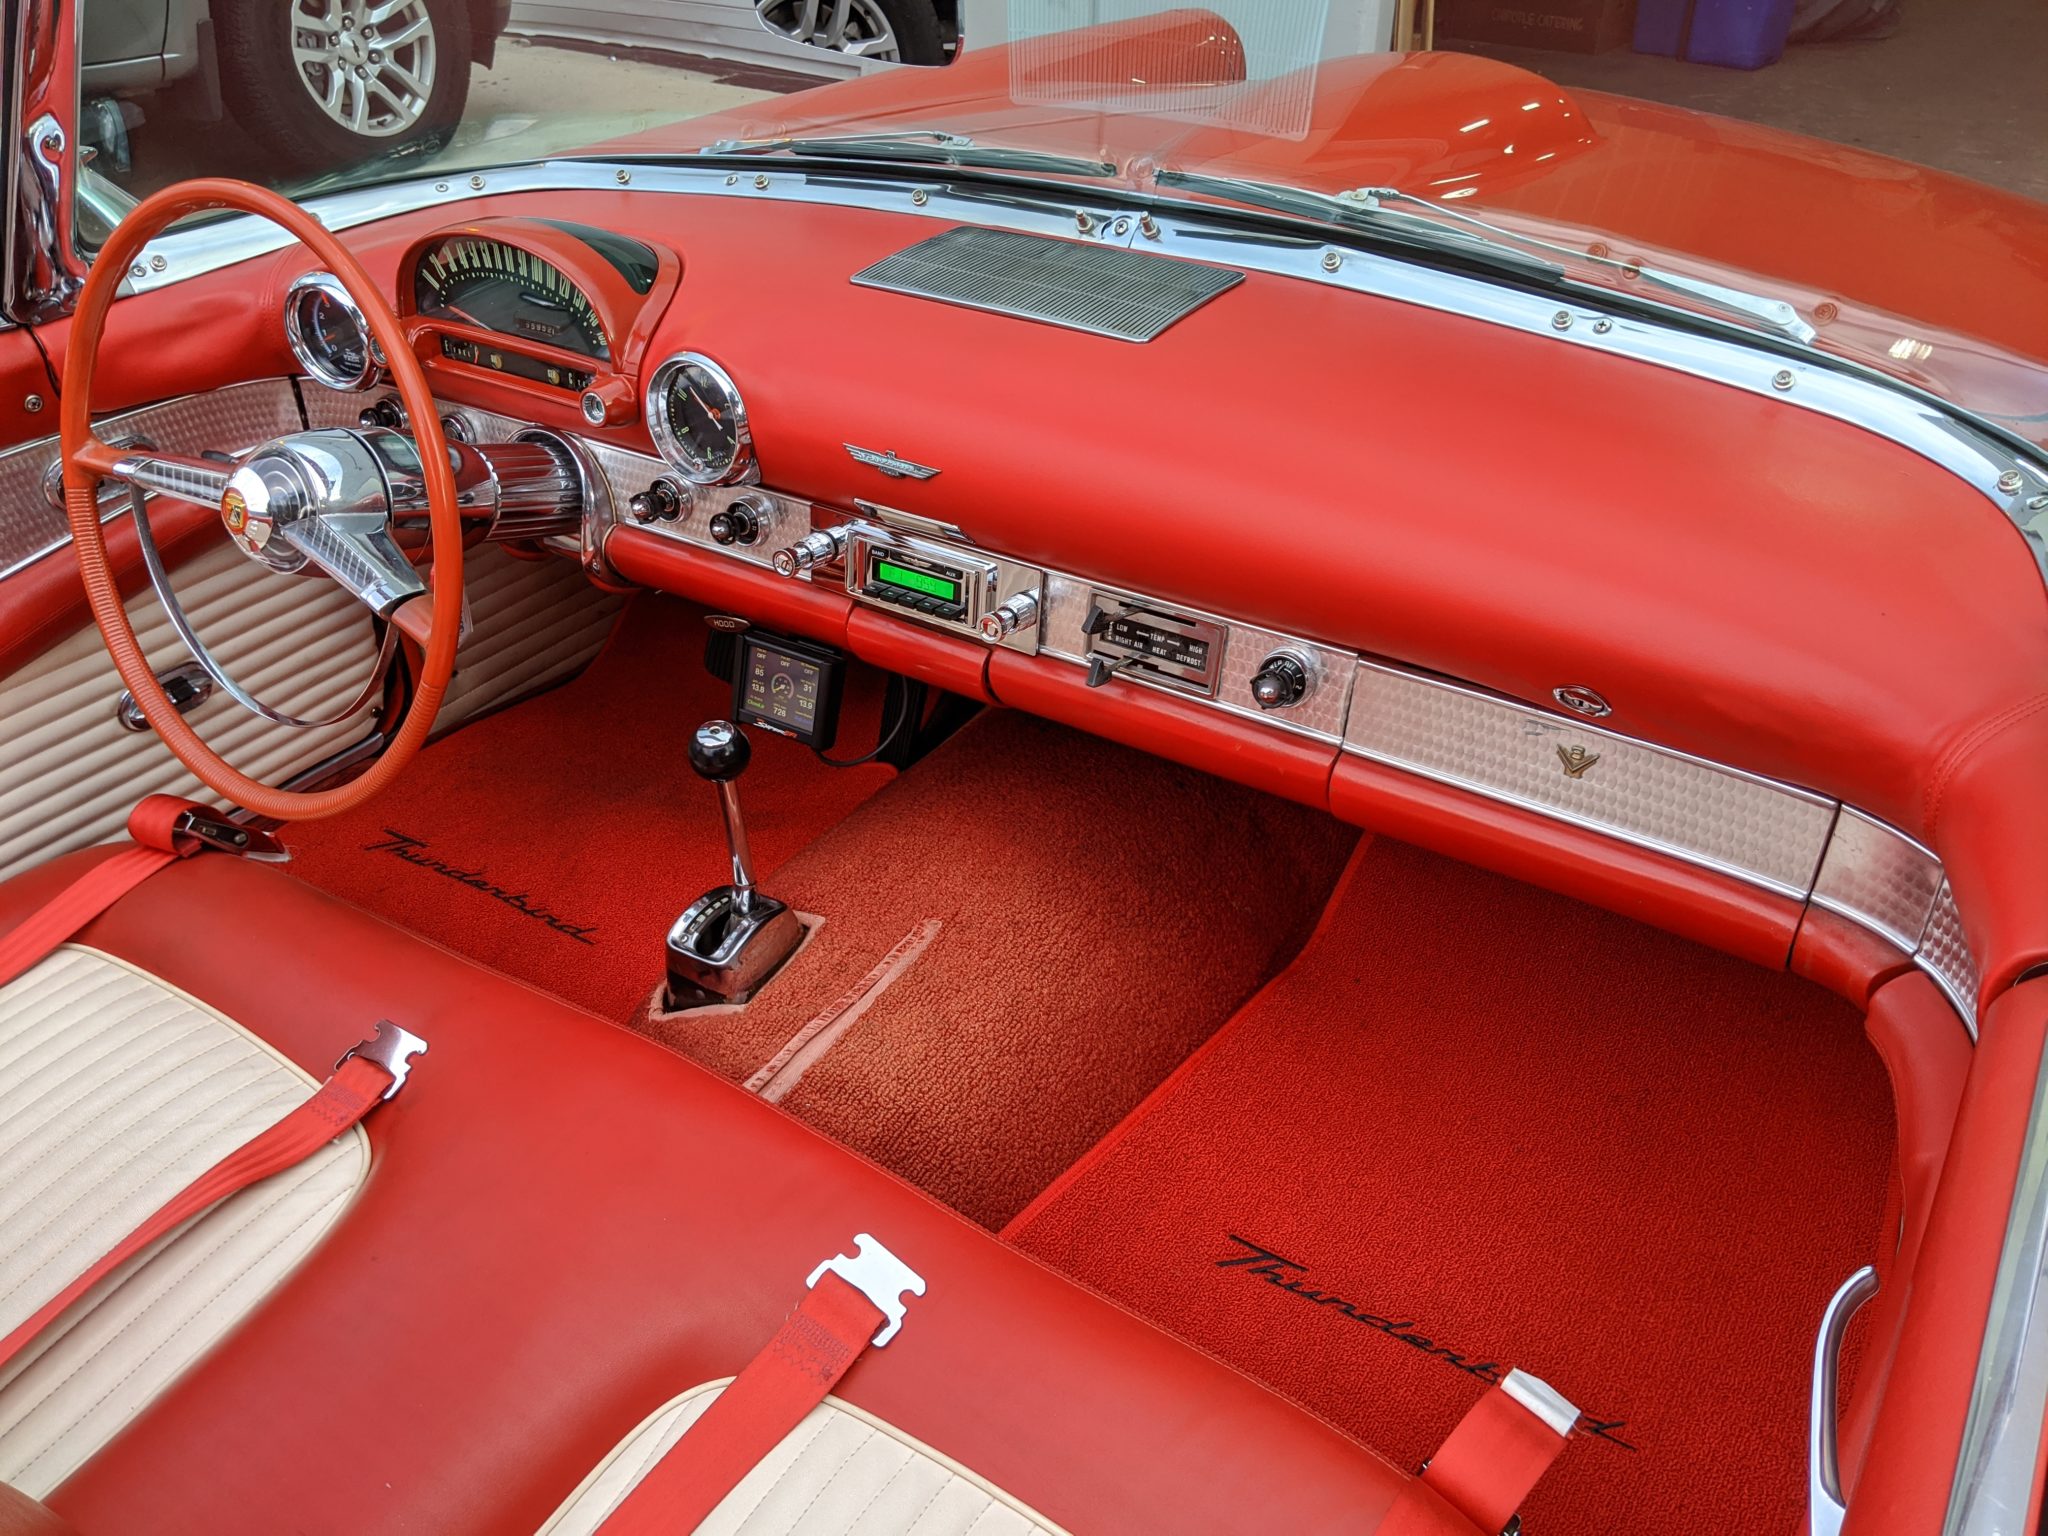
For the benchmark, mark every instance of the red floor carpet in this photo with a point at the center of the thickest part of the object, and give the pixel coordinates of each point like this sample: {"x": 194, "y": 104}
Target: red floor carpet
{"x": 1476, "y": 1125}
{"x": 557, "y": 840}
{"x": 1068, "y": 920}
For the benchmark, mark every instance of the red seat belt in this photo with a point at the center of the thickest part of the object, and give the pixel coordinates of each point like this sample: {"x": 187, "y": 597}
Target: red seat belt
{"x": 1500, "y": 1450}
{"x": 167, "y": 829}
{"x": 162, "y": 836}
{"x": 852, "y": 1303}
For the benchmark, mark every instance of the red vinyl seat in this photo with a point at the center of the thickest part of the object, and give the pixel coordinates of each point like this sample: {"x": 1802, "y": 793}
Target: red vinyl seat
{"x": 565, "y": 1226}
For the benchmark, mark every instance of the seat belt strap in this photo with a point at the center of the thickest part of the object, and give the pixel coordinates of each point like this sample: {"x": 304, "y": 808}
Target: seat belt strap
{"x": 366, "y": 1076}
{"x": 852, "y": 1304}
{"x": 165, "y": 829}
{"x": 1501, "y": 1449}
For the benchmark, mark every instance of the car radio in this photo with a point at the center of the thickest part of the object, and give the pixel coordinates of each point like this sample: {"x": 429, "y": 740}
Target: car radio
{"x": 930, "y": 580}
{"x": 943, "y": 584}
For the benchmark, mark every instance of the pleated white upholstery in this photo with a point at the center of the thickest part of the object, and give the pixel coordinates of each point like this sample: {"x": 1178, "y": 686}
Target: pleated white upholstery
{"x": 116, "y": 1091}
{"x": 841, "y": 1472}
{"x": 533, "y": 623}
{"x": 70, "y": 773}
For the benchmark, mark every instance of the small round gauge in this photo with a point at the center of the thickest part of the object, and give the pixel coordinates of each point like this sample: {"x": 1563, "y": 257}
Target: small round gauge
{"x": 698, "y": 420}
{"x": 328, "y": 334}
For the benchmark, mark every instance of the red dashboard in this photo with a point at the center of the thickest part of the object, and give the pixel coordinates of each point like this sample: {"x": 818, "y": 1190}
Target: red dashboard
{"x": 1767, "y": 588}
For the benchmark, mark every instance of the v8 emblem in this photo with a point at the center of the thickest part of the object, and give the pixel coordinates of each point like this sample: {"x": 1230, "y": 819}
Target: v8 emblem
{"x": 1576, "y": 760}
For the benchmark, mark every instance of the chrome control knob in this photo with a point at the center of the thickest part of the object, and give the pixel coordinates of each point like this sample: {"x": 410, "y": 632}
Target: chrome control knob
{"x": 813, "y": 549}
{"x": 661, "y": 502}
{"x": 741, "y": 523}
{"x": 1282, "y": 680}
{"x": 386, "y": 413}
{"x": 1010, "y": 616}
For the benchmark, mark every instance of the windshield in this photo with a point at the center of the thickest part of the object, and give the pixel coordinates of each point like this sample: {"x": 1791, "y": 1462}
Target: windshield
{"x": 1481, "y": 152}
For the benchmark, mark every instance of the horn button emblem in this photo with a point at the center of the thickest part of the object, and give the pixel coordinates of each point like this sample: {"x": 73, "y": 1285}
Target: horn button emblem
{"x": 262, "y": 498}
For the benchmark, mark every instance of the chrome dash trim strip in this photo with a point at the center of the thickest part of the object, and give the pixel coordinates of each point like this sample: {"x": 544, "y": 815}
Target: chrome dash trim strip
{"x": 1765, "y": 833}
{"x": 1739, "y": 824}
{"x": 2014, "y": 480}
{"x": 1944, "y": 953}
{"x": 1877, "y": 876}
{"x": 33, "y": 525}
{"x": 1994, "y": 1481}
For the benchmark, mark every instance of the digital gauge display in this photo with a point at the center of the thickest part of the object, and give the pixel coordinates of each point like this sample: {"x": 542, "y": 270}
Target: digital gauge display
{"x": 501, "y": 288}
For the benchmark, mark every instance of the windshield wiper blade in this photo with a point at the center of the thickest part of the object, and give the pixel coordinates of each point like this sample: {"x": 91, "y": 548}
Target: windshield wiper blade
{"x": 1370, "y": 206}
{"x": 927, "y": 145}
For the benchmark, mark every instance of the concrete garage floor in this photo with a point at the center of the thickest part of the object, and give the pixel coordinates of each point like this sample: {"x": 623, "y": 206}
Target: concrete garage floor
{"x": 1958, "y": 87}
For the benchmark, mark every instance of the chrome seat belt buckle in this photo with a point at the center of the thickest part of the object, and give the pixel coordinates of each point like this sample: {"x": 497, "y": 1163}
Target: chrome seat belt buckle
{"x": 878, "y": 1275}
{"x": 225, "y": 836}
{"x": 393, "y": 1048}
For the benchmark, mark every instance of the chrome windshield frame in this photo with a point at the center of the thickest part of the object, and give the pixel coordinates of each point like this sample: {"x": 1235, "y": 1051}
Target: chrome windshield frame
{"x": 41, "y": 270}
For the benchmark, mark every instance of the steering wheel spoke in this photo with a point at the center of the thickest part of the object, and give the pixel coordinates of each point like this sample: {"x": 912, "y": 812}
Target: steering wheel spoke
{"x": 359, "y": 552}
{"x": 201, "y": 481}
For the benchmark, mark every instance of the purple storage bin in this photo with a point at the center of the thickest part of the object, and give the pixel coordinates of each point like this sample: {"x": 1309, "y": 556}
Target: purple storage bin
{"x": 1740, "y": 34}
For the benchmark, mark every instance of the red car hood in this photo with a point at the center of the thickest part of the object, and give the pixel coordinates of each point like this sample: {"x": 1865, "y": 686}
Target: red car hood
{"x": 1927, "y": 276}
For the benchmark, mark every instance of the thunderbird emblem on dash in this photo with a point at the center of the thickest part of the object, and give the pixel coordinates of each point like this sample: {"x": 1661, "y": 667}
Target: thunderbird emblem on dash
{"x": 889, "y": 464}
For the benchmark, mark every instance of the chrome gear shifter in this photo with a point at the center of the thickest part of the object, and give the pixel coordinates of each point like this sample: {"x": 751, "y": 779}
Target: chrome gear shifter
{"x": 720, "y": 752}
{"x": 730, "y": 940}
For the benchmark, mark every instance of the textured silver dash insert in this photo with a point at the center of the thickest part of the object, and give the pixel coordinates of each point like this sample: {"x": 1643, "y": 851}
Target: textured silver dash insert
{"x": 1102, "y": 289}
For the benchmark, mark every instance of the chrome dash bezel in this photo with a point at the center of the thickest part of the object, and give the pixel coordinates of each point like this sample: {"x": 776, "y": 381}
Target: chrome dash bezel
{"x": 742, "y": 469}
{"x": 327, "y": 285}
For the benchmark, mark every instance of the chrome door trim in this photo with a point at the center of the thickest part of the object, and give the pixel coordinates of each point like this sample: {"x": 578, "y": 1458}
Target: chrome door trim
{"x": 2006, "y": 472}
{"x": 1994, "y": 1481}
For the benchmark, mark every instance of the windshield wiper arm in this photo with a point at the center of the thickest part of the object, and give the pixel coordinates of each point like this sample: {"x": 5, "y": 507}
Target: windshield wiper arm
{"x": 1344, "y": 208}
{"x": 1370, "y": 206}
{"x": 1772, "y": 314}
{"x": 929, "y": 145}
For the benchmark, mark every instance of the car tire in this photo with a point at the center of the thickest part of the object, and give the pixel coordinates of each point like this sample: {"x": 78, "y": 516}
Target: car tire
{"x": 905, "y": 31}
{"x": 918, "y": 39}
{"x": 275, "y": 101}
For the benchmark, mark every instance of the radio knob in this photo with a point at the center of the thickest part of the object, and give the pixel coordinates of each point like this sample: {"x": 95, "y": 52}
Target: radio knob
{"x": 1282, "y": 680}
{"x": 1006, "y": 619}
{"x": 813, "y": 549}
{"x": 740, "y": 523}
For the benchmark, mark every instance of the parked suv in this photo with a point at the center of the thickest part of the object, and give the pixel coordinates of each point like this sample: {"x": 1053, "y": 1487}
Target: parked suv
{"x": 318, "y": 83}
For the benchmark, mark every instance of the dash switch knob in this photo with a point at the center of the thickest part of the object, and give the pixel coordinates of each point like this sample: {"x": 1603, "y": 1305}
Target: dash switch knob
{"x": 813, "y": 549}
{"x": 1282, "y": 680}
{"x": 1008, "y": 617}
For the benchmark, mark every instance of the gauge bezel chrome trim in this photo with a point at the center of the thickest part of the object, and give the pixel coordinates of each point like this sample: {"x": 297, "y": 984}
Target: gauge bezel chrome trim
{"x": 742, "y": 470}
{"x": 329, "y": 286}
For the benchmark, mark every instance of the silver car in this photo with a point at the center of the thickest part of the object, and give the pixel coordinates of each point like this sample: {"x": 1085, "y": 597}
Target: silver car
{"x": 315, "y": 83}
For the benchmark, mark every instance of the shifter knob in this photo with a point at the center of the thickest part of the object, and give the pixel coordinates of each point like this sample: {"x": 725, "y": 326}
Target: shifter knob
{"x": 719, "y": 751}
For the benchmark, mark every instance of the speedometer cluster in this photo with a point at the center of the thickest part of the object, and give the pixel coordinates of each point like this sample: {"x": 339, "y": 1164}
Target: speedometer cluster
{"x": 537, "y": 308}
{"x": 508, "y": 290}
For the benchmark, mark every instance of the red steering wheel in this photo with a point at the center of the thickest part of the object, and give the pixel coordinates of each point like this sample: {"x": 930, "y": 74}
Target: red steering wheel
{"x": 267, "y": 509}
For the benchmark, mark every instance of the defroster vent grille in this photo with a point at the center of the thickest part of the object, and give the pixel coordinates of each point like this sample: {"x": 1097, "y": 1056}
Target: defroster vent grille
{"x": 1106, "y": 290}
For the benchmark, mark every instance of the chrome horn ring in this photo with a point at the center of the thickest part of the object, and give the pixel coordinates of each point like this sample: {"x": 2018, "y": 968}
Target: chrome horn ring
{"x": 160, "y": 582}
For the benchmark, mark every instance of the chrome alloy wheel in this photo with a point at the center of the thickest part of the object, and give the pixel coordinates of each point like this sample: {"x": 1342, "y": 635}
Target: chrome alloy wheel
{"x": 854, "y": 27}
{"x": 367, "y": 64}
